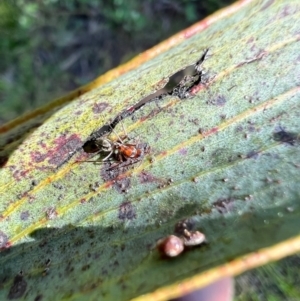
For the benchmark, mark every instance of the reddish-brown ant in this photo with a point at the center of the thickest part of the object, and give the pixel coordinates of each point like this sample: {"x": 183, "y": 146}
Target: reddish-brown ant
{"x": 120, "y": 150}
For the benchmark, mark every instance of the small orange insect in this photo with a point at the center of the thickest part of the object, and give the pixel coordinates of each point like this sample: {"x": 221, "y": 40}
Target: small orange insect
{"x": 120, "y": 150}
{"x": 124, "y": 151}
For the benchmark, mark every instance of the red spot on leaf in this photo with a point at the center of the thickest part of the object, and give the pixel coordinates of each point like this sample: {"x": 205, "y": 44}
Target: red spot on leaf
{"x": 144, "y": 118}
{"x": 64, "y": 147}
{"x": 164, "y": 153}
{"x": 61, "y": 152}
{"x": 195, "y": 89}
{"x": 37, "y": 156}
{"x": 211, "y": 131}
{"x": 42, "y": 144}
{"x": 20, "y": 174}
{"x": 108, "y": 184}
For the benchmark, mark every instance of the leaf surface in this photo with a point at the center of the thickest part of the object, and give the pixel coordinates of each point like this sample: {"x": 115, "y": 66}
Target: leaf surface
{"x": 227, "y": 159}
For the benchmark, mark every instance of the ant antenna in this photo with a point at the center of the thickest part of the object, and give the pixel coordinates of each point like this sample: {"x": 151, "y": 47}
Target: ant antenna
{"x": 119, "y": 138}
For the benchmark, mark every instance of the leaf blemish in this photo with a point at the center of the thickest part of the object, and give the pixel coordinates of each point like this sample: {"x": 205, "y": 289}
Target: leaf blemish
{"x": 286, "y": 137}
{"x": 183, "y": 151}
{"x": 3, "y": 239}
{"x": 99, "y": 107}
{"x": 252, "y": 155}
{"x": 61, "y": 152}
{"x": 127, "y": 211}
{"x": 20, "y": 174}
{"x": 18, "y": 288}
{"x": 219, "y": 101}
{"x": 122, "y": 185}
{"x": 24, "y": 215}
{"x": 65, "y": 147}
{"x": 211, "y": 131}
{"x": 224, "y": 205}
{"x": 51, "y": 213}
{"x": 146, "y": 177}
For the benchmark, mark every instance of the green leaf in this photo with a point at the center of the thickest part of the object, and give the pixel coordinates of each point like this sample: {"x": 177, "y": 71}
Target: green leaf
{"x": 226, "y": 159}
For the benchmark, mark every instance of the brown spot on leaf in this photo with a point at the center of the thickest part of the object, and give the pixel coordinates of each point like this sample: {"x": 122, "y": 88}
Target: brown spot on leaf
{"x": 286, "y": 137}
{"x": 253, "y": 154}
{"x": 287, "y": 10}
{"x": 250, "y": 41}
{"x": 3, "y": 240}
{"x": 99, "y": 107}
{"x": 78, "y": 112}
{"x": 127, "y": 211}
{"x": 219, "y": 101}
{"x": 37, "y": 156}
{"x": 24, "y": 215}
{"x": 51, "y": 213}
{"x": 64, "y": 147}
{"x": 18, "y": 288}
{"x": 61, "y": 152}
{"x": 19, "y": 174}
{"x": 224, "y": 205}
{"x": 183, "y": 151}
{"x": 42, "y": 144}
{"x": 146, "y": 177}
{"x": 122, "y": 184}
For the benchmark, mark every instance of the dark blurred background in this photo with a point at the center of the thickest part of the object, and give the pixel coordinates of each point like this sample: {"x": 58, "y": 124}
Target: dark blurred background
{"x": 50, "y": 47}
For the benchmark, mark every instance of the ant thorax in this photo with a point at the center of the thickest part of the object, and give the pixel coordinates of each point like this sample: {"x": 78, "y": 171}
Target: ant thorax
{"x": 104, "y": 145}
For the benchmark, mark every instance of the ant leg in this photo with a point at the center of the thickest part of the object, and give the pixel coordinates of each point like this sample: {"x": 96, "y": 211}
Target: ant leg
{"x": 97, "y": 161}
{"x": 119, "y": 138}
{"x": 108, "y": 156}
{"x": 124, "y": 130}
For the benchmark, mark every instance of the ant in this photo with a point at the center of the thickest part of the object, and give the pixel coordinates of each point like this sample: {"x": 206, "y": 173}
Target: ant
{"x": 119, "y": 149}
